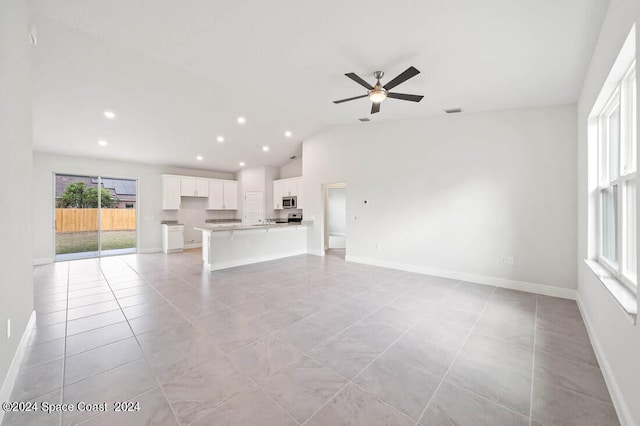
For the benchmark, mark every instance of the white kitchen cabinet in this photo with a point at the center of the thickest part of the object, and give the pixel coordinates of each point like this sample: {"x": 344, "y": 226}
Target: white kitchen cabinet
{"x": 300, "y": 195}
{"x": 223, "y": 195}
{"x": 230, "y": 195}
{"x": 277, "y": 194}
{"x": 291, "y": 187}
{"x": 170, "y": 192}
{"x": 194, "y": 187}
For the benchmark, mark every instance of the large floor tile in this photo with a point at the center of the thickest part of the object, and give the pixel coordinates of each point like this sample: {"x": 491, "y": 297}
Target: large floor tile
{"x": 355, "y": 407}
{"x": 573, "y": 349}
{"x": 199, "y": 392}
{"x": 575, "y": 376}
{"x": 37, "y": 381}
{"x": 266, "y": 358}
{"x": 495, "y": 369}
{"x": 98, "y": 337}
{"x": 36, "y": 418}
{"x": 404, "y": 387}
{"x": 307, "y": 334}
{"x": 182, "y": 358}
{"x": 454, "y": 406}
{"x": 344, "y": 355}
{"x": 553, "y": 405}
{"x": 302, "y": 388}
{"x": 431, "y": 350}
{"x": 96, "y": 361}
{"x": 94, "y": 321}
{"x": 153, "y": 410}
{"x": 119, "y": 384}
{"x": 252, "y": 407}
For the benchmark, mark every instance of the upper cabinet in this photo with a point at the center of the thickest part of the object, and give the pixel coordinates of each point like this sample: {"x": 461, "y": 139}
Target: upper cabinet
{"x": 277, "y": 194}
{"x": 223, "y": 195}
{"x": 291, "y": 187}
{"x": 194, "y": 187}
{"x": 230, "y": 195}
{"x": 170, "y": 192}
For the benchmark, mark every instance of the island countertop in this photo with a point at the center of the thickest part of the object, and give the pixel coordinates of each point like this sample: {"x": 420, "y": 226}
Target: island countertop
{"x": 218, "y": 228}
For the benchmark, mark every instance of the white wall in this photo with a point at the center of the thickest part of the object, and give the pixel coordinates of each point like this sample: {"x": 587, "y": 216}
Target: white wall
{"x": 291, "y": 169}
{"x": 149, "y": 206}
{"x": 455, "y": 193}
{"x": 616, "y": 340}
{"x": 16, "y": 282}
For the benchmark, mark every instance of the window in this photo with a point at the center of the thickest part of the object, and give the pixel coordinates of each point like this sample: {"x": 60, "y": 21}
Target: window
{"x": 617, "y": 170}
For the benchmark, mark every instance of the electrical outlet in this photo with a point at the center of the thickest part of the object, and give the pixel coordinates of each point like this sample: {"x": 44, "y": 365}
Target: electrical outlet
{"x": 508, "y": 260}
{"x": 8, "y": 328}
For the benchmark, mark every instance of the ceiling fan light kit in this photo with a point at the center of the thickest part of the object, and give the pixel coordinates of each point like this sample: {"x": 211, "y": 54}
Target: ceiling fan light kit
{"x": 379, "y": 93}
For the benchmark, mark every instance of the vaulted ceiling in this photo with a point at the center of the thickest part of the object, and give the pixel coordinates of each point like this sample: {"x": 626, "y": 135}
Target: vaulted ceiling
{"x": 177, "y": 74}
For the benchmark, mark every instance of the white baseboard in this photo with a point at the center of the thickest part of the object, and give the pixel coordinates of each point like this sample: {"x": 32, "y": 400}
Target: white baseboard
{"x": 150, "y": 250}
{"x": 565, "y": 293}
{"x": 248, "y": 261}
{"x": 194, "y": 245}
{"x": 42, "y": 261}
{"x": 14, "y": 368}
{"x": 316, "y": 252}
{"x": 622, "y": 409}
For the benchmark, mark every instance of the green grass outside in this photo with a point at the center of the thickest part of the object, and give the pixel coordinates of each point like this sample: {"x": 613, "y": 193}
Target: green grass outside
{"x": 79, "y": 242}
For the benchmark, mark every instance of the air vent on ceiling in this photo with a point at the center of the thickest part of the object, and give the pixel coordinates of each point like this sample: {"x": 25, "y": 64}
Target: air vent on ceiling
{"x": 453, "y": 110}
{"x": 364, "y": 120}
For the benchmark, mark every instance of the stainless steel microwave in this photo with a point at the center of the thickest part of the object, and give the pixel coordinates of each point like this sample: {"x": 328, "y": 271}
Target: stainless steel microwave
{"x": 289, "y": 202}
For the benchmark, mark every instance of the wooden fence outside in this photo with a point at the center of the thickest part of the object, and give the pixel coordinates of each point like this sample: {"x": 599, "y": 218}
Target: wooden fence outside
{"x": 82, "y": 220}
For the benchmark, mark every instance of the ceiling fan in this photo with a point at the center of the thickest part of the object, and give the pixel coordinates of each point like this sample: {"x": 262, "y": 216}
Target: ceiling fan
{"x": 379, "y": 93}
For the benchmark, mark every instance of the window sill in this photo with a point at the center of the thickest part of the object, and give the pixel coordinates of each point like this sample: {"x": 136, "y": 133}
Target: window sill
{"x": 623, "y": 295}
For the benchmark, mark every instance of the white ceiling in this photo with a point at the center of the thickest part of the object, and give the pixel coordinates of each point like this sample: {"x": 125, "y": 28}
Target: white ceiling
{"x": 178, "y": 73}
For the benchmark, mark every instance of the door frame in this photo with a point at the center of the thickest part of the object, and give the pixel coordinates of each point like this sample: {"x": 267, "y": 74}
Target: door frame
{"x": 324, "y": 234}
{"x": 99, "y": 176}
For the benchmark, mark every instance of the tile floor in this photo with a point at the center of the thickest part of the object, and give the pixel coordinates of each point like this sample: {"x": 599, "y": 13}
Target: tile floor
{"x": 302, "y": 340}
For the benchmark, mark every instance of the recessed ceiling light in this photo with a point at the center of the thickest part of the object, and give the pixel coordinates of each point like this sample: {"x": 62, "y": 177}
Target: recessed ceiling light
{"x": 220, "y": 139}
{"x": 288, "y": 133}
{"x": 242, "y": 164}
{"x": 265, "y": 148}
{"x": 242, "y": 120}
{"x": 199, "y": 158}
{"x": 110, "y": 115}
{"x": 102, "y": 143}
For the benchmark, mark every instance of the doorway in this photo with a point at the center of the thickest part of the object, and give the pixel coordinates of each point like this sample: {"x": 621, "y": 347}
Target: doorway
{"x": 94, "y": 216}
{"x": 253, "y": 208}
{"x": 335, "y": 219}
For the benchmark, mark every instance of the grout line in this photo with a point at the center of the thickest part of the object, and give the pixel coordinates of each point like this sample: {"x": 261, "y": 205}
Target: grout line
{"x": 533, "y": 363}
{"x": 444, "y": 376}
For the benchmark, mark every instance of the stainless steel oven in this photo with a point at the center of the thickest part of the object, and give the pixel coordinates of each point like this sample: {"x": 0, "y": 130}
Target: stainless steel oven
{"x": 289, "y": 202}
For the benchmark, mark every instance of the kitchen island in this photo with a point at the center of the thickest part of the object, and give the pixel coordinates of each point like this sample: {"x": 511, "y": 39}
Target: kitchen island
{"x": 235, "y": 245}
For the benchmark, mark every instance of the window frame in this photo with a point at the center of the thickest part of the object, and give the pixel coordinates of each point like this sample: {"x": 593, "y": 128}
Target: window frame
{"x": 622, "y": 98}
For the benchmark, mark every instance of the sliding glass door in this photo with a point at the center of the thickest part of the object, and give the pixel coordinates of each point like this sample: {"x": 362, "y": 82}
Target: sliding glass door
{"x": 94, "y": 216}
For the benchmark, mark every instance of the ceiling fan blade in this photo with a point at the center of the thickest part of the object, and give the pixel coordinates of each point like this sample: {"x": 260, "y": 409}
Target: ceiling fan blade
{"x": 375, "y": 107}
{"x": 349, "y": 99}
{"x": 359, "y": 80}
{"x": 405, "y": 97}
{"x": 404, "y": 76}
